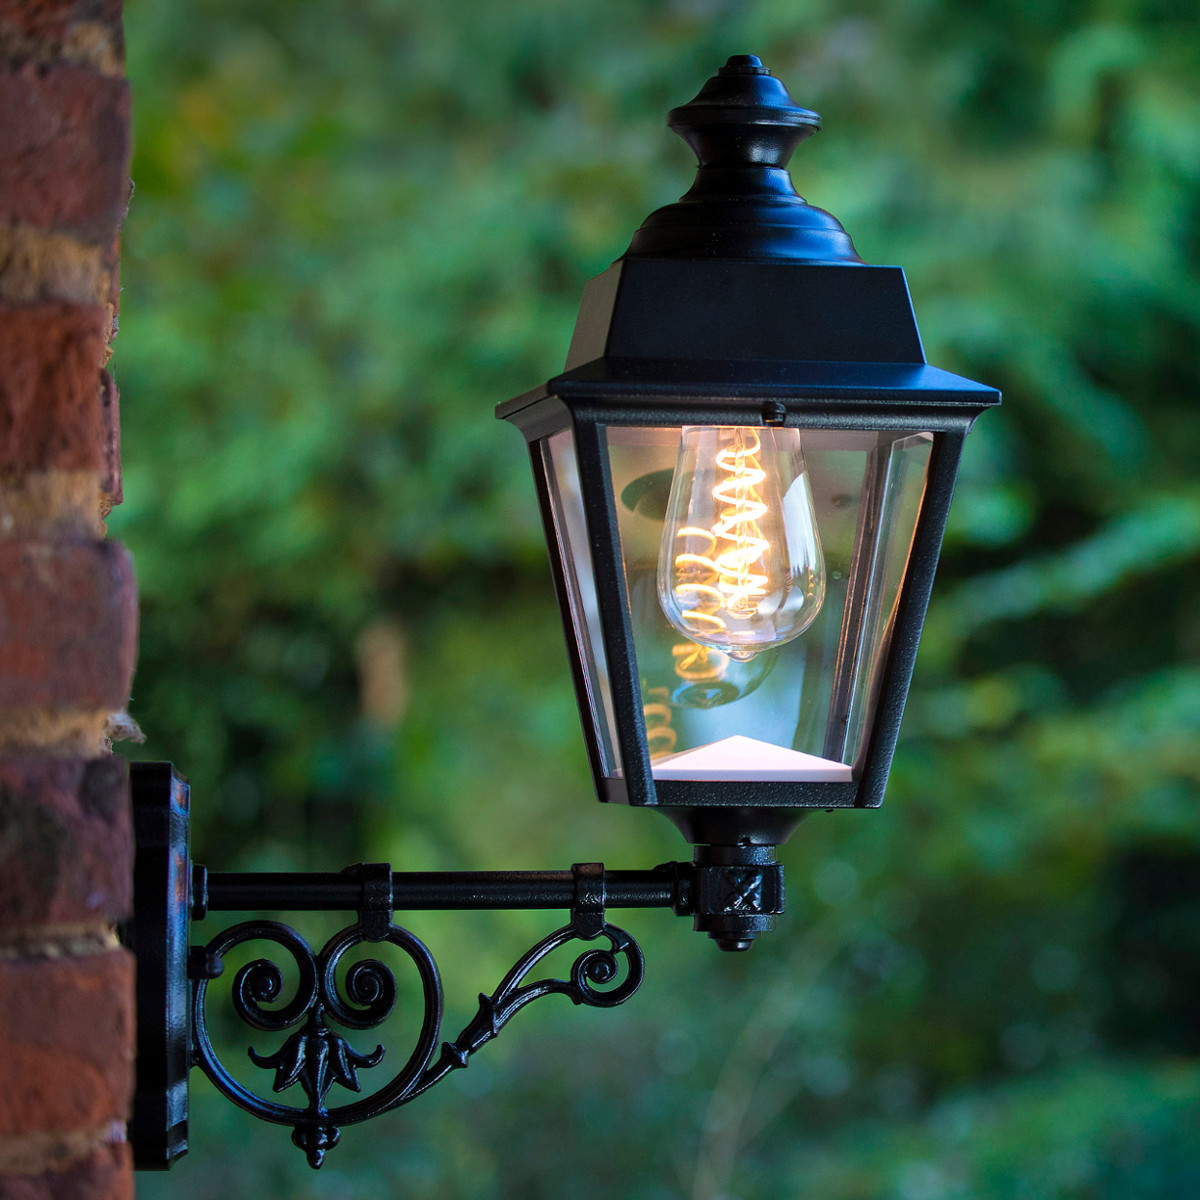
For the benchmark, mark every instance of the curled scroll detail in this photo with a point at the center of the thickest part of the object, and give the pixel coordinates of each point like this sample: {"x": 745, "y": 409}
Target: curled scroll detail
{"x": 317, "y": 1057}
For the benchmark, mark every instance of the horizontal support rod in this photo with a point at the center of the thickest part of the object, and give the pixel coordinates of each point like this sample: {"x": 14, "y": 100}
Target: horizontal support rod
{"x": 412, "y": 891}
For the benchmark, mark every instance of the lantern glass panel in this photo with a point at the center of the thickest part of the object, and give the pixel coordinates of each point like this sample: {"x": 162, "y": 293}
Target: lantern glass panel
{"x": 570, "y": 529}
{"x": 828, "y": 514}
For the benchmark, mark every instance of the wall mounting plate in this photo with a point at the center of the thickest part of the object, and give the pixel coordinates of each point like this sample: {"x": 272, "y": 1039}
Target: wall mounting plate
{"x": 158, "y": 937}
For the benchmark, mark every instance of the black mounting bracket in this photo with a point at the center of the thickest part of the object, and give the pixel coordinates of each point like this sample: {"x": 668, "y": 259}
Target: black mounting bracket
{"x": 733, "y": 893}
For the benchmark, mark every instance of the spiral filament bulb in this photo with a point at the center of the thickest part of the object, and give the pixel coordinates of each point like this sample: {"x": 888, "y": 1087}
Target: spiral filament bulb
{"x": 696, "y": 581}
{"x": 740, "y": 567}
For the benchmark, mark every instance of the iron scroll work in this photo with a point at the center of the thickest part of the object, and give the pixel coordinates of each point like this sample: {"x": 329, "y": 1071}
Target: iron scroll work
{"x": 315, "y": 994}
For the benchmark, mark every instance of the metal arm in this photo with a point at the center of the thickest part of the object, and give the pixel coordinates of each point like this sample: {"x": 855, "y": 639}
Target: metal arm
{"x": 427, "y": 891}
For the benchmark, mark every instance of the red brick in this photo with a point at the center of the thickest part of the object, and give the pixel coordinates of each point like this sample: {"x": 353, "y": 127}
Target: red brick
{"x": 64, "y": 148}
{"x": 110, "y": 409}
{"x": 66, "y": 847}
{"x": 66, "y": 1038}
{"x": 106, "y": 1174}
{"x": 68, "y": 625}
{"x": 50, "y": 408}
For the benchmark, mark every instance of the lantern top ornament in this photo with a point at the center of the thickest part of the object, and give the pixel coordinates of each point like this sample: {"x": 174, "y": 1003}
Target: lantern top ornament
{"x": 743, "y": 126}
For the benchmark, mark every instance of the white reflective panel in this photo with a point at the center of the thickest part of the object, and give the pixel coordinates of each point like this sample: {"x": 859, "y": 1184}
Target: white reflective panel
{"x": 793, "y": 707}
{"x": 566, "y": 503}
{"x": 750, "y": 759}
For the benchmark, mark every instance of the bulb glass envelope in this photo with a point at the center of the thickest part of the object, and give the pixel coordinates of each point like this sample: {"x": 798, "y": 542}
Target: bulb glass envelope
{"x": 812, "y": 429}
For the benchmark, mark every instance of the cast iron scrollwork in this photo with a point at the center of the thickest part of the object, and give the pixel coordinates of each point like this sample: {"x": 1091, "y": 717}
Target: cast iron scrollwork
{"x": 318, "y": 1057}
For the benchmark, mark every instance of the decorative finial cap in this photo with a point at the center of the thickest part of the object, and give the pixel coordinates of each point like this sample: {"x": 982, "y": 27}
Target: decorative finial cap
{"x": 743, "y": 116}
{"x": 743, "y": 126}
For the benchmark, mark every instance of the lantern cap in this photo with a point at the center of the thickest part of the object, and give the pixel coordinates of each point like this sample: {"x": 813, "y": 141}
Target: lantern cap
{"x": 743, "y": 126}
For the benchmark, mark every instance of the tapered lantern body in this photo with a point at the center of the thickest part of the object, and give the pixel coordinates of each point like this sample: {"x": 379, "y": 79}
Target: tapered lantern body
{"x": 745, "y": 472}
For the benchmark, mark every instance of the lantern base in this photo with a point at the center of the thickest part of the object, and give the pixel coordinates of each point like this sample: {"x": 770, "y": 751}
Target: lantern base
{"x": 734, "y": 827}
{"x": 738, "y": 892}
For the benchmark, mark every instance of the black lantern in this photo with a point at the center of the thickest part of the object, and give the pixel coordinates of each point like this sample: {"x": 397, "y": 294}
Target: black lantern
{"x": 745, "y": 472}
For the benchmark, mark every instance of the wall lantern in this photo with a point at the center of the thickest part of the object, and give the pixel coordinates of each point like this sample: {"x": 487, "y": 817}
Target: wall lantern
{"x": 744, "y": 474}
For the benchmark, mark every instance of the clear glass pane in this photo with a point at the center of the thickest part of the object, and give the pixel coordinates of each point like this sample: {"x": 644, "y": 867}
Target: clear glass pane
{"x": 566, "y": 502}
{"x": 796, "y": 704}
{"x": 903, "y": 464}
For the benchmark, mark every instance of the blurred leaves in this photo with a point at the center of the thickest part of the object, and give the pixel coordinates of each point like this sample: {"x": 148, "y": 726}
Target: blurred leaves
{"x": 357, "y": 228}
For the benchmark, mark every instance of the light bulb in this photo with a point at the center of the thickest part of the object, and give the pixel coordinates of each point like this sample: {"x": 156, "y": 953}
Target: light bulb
{"x": 740, "y": 568}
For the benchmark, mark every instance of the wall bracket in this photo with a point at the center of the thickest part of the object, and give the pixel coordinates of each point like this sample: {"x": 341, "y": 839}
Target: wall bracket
{"x": 325, "y": 993}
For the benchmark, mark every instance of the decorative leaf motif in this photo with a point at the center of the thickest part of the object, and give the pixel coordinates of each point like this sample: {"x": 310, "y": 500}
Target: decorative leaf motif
{"x": 347, "y": 1060}
{"x": 317, "y": 1057}
{"x": 288, "y": 1060}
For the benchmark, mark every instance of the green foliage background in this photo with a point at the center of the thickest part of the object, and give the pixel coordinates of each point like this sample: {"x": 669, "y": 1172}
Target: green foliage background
{"x": 357, "y": 227}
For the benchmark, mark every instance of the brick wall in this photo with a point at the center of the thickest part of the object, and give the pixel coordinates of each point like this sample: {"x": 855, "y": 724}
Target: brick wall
{"x": 67, "y": 607}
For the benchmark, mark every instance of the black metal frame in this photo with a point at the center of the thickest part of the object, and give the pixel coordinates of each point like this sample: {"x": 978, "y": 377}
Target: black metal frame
{"x": 893, "y": 399}
{"x": 743, "y": 305}
{"x": 732, "y": 896}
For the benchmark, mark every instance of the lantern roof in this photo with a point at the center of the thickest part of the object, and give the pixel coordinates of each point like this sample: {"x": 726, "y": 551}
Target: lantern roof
{"x": 724, "y": 330}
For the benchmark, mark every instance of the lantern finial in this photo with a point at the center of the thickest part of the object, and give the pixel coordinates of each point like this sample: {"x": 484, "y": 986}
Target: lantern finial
{"x": 743, "y": 117}
{"x": 743, "y": 126}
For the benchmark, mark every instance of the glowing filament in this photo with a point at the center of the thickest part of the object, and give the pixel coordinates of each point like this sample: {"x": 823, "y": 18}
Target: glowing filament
{"x": 719, "y": 572}
{"x": 698, "y": 664}
{"x": 740, "y": 566}
{"x": 741, "y": 509}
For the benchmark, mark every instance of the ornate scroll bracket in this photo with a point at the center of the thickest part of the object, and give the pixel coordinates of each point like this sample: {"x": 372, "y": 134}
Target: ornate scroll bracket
{"x": 732, "y": 893}
{"x": 317, "y": 1057}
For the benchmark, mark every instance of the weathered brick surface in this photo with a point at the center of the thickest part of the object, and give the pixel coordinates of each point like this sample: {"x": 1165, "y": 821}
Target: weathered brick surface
{"x": 68, "y": 624}
{"x": 68, "y": 617}
{"x": 64, "y": 148}
{"x": 102, "y": 1175}
{"x": 51, "y": 415}
{"x": 66, "y": 847}
{"x": 110, "y": 411}
{"x": 67, "y": 1022}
